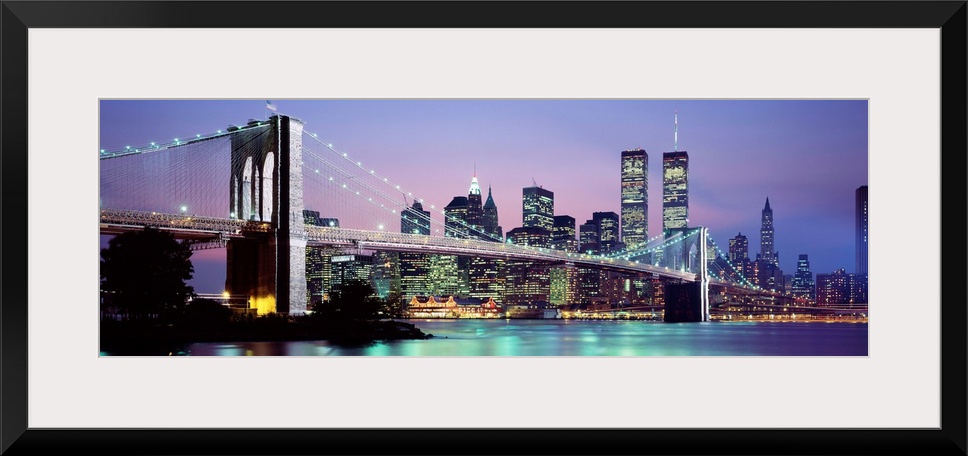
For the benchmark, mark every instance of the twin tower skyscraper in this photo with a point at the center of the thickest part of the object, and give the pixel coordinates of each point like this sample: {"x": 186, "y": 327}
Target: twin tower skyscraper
{"x": 635, "y": 193}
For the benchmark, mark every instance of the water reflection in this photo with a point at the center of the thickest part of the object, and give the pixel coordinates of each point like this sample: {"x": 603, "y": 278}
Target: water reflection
{"x": 583, "y": 338}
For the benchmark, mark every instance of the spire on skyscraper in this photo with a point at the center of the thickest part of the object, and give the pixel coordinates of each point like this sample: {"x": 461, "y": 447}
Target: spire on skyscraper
{"x": 490, "y": 199}
{"x": 767, "y": 208}
{"x": 675, "y": 144}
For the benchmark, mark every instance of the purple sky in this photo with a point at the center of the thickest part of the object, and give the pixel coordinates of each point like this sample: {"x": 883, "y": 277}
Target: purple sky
{"x": 808, "y": 157}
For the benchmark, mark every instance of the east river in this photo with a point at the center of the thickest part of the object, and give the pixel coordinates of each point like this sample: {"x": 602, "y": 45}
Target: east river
{"x": 584, "y": 338}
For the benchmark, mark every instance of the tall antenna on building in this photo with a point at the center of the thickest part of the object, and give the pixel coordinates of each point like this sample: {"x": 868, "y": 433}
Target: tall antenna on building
{"x": 675, "y": 144}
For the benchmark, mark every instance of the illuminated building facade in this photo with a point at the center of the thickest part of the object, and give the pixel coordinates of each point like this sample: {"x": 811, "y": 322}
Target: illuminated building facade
{"x": 538, "y": 207}
{"x": 675, "y": 190}
{"x": 803, "y": 284}
{"x": 475, "y": 211}
{"x": 589, "y": 237}
{"x": 860, "y": 198}
{"x": 528, "y": 282}
{"x": 563, "y": 234}
{"x": 608, "y": 231}
{"x": 455, "y": 218}
{"x": 833, "y": 289}
{"x": 564, "y": 285}
{"x": 414, "y": 267}
{"x": 739, "y": 257}
{"x": 318, "y": 266}
{"x": 767, "y": 252}
{"x": 489, "y": 218}
{"x": 350, "y": 268}
{"x": 635, "y": 197}
{"x": 386, "y": 274}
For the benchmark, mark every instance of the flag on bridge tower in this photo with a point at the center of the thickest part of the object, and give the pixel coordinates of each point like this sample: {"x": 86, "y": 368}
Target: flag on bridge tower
{"x": 270, "y": 106}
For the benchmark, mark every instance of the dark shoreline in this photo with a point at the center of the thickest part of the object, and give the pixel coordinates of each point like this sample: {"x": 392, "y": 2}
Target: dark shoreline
{"x": 151, "y": 338}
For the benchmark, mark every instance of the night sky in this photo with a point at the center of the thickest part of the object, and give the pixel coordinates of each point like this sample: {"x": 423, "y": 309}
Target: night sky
{"x": 807, "y": 156}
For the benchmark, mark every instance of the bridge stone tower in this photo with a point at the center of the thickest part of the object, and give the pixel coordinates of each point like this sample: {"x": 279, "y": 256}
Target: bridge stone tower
{"x": 267, "y": 186}
{"x": 689, "y": 302}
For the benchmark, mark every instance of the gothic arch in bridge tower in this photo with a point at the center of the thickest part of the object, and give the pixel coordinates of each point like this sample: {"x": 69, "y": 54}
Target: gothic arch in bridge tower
{"x": 266, "y": 186}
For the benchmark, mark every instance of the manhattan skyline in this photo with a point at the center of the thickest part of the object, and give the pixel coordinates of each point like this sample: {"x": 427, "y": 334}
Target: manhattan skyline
{"x": 807, "y": 157}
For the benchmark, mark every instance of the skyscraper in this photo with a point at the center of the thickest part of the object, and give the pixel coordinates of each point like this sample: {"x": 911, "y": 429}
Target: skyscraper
{"x": 803, "y": 284}
{"x": 414, "y": 267}
{"x": 608, "y": 231}
{"x": 415, "y": 220}
{"x": 589, "y": 237}
{"x": 475, "y": 212}
{"x": 738, "y": 249}
{"x": 528, "y": 281}
{"x": 455, "y": 218}
{"x": 675, "y": 190}
{"x": 538, "y": 207}
{"x": 767, "y": 253}
{"x": 489, "y": 218}
{"x": 860, "y": 199}
{"x": 739, "y": 257}
{"x": 484, "y": 277}
{"x": 635, "y": 197}
{"x": 563, "y": 234}
{"x": 456, "y": 225}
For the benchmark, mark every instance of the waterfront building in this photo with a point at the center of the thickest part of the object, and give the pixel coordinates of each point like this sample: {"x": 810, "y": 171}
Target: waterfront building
{"x": 414, "y": 267}
{"x": 486, "y": 278}
{"x": 528, "y": 282}
{"x": 318, "y": 266}
{"x": 635, "y": 198}
{"x": 386, "y": 275}
{"x": 857, "y": 288}
{"x": 563, "y": 234}
{"x": 833, "y": 289}
{"x": 564, "y": 285}
{"x": 443, "y": 275}
{"x": 589, "y": 285}
{"x": 452, "y": 307}
{"x": 489, "y": 218}
{"x": 841, "y": 289}
{"x": 350, "y": 268}
{"x": 456, "y": 225}
{"x": 538, "y": 206}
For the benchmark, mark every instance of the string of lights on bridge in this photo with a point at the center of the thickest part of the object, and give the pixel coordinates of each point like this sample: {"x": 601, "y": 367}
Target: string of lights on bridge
{"x": 158, "y": 146}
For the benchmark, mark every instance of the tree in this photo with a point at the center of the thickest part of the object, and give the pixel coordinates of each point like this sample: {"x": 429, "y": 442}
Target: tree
{"x": 144, "y": 272}
{"x": 356, "y": 300}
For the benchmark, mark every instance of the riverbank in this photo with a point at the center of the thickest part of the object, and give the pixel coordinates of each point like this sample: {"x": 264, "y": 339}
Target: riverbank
{"x": 151, "y": 338}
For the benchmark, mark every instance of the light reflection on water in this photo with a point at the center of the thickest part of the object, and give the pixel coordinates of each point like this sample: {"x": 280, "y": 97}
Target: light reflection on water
{"x": 583, "y": 338}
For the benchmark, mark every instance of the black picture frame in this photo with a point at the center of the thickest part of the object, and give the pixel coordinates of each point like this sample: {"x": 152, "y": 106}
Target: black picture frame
{"x": 16, "y": 17}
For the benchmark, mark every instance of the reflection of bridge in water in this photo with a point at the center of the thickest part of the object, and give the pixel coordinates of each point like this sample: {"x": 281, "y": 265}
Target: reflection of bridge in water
{"x": 246, "y": 189}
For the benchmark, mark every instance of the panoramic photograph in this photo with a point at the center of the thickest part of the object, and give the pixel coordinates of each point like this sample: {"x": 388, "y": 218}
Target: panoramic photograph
{"x": 483, "y": 227}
